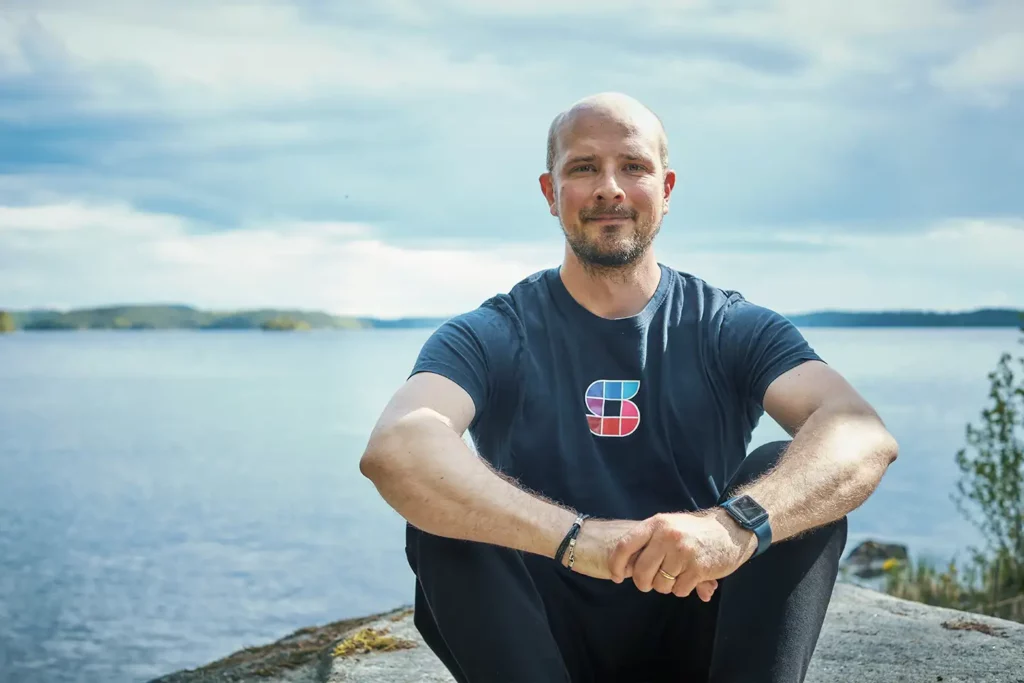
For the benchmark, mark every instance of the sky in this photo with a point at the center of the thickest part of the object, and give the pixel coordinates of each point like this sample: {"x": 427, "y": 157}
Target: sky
{"x": 383, "y": 158}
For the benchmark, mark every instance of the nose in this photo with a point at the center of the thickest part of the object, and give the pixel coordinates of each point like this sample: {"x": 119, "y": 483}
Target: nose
{"x": 608, "y": 189}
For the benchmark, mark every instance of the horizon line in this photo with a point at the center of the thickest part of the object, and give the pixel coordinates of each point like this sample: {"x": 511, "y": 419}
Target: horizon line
{"x": 822, "y": 311}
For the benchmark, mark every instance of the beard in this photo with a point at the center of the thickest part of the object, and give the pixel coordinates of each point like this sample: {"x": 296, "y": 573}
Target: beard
{"x": 593, "y": 251}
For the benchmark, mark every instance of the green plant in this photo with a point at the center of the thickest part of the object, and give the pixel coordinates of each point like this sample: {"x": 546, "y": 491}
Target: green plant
{"x": 7, "y": 322}
{"x": 990, "y": 494}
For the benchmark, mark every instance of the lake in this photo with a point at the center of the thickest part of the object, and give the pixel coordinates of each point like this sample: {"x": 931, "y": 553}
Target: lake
{"x": 167, "y": 498}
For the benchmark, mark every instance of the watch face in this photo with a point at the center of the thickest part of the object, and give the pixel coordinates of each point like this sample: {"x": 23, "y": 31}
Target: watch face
{"x": 748, "y": 508}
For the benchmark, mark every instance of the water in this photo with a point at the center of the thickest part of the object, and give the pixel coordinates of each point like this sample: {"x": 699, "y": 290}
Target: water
{"x": 167, "y": 498}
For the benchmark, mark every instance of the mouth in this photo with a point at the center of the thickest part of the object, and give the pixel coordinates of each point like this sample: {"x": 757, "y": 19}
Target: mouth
{"x": 608, "y": 219}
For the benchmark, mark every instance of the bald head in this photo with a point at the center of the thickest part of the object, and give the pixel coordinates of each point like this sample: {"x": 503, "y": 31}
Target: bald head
{"x": 631, "y": 114}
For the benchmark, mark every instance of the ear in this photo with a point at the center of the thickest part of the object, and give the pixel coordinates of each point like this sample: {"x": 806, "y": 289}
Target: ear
{"x": 670, "y": 183}
{"x": 547, "y": 186}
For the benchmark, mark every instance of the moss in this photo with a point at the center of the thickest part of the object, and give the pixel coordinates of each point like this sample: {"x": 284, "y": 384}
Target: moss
{"x": 398, "y": 616}
{"x": 310, "y": 646}
{"x": 369, "y": 640}
{"x": 291, "y": 652}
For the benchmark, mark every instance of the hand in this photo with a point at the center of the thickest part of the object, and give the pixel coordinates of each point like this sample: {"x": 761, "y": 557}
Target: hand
{"x": 595, "y": 543}
{"x": 599, "y": 539}
{"x": 695, "y": 548}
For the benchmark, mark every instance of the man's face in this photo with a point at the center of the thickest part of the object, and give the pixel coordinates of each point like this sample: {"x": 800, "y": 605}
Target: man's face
{"x": 608, "y": 188}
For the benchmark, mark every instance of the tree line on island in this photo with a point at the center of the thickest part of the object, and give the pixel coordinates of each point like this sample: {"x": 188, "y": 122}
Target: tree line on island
{"x": 189, "y": 318}
{"x": 161, "y": 317}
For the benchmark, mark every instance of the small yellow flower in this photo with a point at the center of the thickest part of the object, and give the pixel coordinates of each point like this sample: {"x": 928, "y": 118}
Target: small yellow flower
{"x": 890, "y": 564}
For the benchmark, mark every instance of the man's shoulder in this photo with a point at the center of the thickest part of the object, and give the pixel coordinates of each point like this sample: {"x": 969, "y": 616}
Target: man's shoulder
{"x": 500, "y": 317}
{"x": 533, "y": 285}
{"x": 507, "y": 306}
{"x": 704, "y": 298}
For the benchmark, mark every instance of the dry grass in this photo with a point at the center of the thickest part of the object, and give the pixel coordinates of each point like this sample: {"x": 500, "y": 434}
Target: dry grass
{"x": 970, "y": 625}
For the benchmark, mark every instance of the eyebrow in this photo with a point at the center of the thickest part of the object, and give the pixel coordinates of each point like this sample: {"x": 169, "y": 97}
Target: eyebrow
{"x": 590, "y": 157}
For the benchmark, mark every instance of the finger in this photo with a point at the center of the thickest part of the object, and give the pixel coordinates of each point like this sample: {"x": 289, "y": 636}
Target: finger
{"x": 662, "y": 583}
{"x": 686, "y": 582}
{"x": 648, "y": 563}
{"x": 631, "y": 565}
{"x": 706, "y": 589}
{"x": 629, "y": 545}
{"x": 671, "y": 565}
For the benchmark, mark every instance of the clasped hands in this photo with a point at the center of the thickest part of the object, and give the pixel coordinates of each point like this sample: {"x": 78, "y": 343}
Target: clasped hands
{"x": 695, "y": 549}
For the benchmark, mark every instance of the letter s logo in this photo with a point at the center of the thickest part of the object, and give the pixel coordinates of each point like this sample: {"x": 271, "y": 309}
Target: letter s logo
{"x": 612, "y": 413}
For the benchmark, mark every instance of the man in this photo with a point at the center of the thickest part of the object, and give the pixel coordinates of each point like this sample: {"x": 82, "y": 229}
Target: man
{"x": 619, "y": 388}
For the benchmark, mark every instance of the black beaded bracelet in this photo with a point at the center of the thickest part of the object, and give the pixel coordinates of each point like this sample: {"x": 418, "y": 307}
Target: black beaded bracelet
{"x": 570, "y": 540}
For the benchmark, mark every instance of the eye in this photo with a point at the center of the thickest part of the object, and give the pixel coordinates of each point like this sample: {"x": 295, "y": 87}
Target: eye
{"x": 636, "y": 167}
{"x": 581, "y": 167}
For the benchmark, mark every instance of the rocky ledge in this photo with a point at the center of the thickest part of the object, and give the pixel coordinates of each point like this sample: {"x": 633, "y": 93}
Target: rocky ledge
{"x": 868, "y": 637}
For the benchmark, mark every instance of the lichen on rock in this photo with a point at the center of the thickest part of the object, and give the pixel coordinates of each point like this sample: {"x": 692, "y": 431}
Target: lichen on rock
{"x": 367, "y": 640}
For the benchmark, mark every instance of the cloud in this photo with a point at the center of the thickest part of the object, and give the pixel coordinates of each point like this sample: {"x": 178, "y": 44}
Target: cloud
{"x": 198, "y": 57}
{"x": 989, "y": 72}
{"x": 108, "y": 253}
{"x": 953, "y": 265}
{"x": 427, "y": 122}
{"x": 116, "y": 254}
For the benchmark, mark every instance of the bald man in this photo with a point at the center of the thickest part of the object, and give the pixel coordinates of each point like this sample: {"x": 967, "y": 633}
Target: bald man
{"x": 612, "y": 526}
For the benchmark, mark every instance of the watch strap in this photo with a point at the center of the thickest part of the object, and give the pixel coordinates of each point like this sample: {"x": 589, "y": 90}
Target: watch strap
{"x": 762, "y": 530}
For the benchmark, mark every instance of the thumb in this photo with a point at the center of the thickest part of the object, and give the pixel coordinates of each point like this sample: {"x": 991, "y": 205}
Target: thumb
{"x": 627, "y": 547}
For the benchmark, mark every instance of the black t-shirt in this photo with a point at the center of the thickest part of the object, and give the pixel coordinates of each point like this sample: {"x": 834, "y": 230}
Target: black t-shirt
{"x": 619, "y": 418}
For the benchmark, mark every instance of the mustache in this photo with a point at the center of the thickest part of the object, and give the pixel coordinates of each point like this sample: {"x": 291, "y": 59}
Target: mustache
{"x": 594, "y": 214}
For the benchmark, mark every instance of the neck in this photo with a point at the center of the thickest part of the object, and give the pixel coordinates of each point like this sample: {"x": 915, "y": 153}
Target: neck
{"x": 611, "y": 292}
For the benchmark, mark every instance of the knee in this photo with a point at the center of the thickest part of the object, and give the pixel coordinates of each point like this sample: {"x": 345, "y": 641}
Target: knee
{"x": 425, "y": 548}
{"x": 825, "y": 542}
{"x": 831, "y": 532}
{"x": 839, "y": 530}
{"x": 430, "y": 555}
{"x": 768, "y": 454}
{"x": 761, "y": 460}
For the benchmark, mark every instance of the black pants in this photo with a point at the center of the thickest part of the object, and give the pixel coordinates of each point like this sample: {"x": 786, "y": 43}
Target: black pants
{"x": 494, "y": 615}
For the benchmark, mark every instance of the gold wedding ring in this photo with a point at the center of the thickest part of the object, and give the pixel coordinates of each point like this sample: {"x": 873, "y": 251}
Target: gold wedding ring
{"x": 666, "y": 575}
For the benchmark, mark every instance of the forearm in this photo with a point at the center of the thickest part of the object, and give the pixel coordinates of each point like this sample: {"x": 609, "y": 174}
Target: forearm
{"x": 431, "y": 477}
{"x": 836, "y": 460}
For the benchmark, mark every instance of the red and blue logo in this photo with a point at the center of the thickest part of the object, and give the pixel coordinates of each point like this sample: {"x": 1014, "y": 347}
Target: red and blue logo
{"x": 611, "y": 411}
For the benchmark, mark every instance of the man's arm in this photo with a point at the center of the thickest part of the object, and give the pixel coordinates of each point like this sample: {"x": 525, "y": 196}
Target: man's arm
{"x": 839, "y": 453}
{"x": 417, "y": 459}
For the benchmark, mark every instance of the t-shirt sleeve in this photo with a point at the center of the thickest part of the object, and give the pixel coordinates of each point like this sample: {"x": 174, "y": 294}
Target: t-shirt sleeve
{"x": 476, "y": 350}
{"x": 757, "y": 345}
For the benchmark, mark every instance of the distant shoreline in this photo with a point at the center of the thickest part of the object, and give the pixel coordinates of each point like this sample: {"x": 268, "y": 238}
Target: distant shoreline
{"x": 178, "y": 317}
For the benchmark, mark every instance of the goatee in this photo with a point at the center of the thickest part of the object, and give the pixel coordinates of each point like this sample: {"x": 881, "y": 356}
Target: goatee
{"x": 595, "y": 259}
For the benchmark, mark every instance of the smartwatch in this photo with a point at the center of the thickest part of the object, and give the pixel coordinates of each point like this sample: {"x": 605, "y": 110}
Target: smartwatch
{"x": 751, "y": 516}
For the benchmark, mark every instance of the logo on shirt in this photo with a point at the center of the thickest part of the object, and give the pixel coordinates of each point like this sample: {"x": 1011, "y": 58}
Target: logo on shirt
{"x": 611, "y": 411}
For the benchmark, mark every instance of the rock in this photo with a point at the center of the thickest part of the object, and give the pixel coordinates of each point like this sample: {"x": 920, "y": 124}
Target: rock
{"x": 867, "y": 560}
{"x": 872, "y": 637}
{"x": 302, "y": 657}
{"x": 868, "y": 637}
